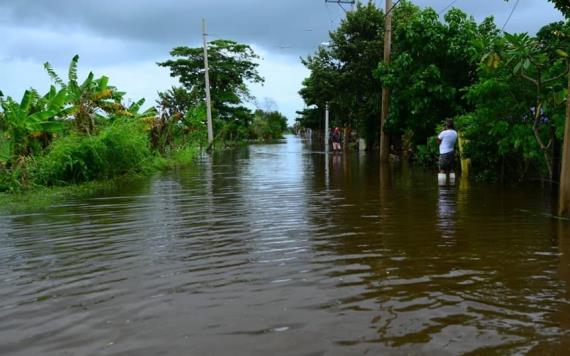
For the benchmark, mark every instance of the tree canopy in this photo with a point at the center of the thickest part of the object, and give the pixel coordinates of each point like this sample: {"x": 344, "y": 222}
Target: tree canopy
{"x": 506, "y": 91}
{"x": 355, "y": 48}
{"x": 232, "y": 67}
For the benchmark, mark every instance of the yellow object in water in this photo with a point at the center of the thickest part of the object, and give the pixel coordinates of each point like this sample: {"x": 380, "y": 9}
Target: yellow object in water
{"x": 465, "y": 162}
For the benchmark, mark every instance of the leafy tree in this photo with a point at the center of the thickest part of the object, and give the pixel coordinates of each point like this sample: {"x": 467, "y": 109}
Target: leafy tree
{"x": 543, "y": 64}
{"x": 320, "y": 88}
{"x": 563, "y": 6}
{"x": 268, "y": 125}
{"x": 531, "y": 61}
{"x": 232, "y": 66}
{"x": 433, "y": 63}
{"x": 341, "y": 73}
{"x": 176, "y": 101}
{"x": 498, "y": 130}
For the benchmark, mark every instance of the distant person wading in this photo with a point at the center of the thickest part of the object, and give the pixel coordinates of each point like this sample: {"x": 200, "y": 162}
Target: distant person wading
{"x": 335, "y": 139}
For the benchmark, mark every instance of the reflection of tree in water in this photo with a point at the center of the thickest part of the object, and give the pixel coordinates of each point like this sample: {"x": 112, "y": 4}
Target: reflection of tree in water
{"x": 389, "y": 261}
{"x": 559, "y": 343}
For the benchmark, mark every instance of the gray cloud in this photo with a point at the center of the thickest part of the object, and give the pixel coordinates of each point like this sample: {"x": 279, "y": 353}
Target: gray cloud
{"x": 299, "y": 25}
{"x": 126, "y": 36}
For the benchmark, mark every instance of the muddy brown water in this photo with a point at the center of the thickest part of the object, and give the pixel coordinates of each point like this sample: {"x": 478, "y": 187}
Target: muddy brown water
{"x": 282, "y": 250}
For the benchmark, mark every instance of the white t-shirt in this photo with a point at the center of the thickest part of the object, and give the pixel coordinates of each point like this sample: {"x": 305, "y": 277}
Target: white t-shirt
{"x": 448, "y": 139}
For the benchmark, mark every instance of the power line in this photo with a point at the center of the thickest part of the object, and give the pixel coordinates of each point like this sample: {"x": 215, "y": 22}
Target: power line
{"x": 448, "y": 6}
{"x": 330, "y": 16}
{"x": 511, "y": 15}
{"x": 392, "y": 8}
{"x": 340, "y": 2}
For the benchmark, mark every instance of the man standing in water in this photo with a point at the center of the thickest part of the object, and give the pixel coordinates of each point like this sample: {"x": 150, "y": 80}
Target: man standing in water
{"x": 446, "y": 140}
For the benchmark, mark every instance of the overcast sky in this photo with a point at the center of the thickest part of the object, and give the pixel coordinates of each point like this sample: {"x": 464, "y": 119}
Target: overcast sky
{"x": 124, "y": 39}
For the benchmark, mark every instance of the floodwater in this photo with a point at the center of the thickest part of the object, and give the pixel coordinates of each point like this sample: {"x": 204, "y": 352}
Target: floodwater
{"x": 282, "y": 250}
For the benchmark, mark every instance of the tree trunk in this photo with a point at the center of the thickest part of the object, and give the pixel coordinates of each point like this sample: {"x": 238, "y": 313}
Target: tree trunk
{"x": 555, "y": 156}
{"x": 564, "y": 199}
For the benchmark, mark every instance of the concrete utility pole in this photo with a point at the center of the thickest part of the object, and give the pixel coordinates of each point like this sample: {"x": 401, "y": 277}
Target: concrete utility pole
{"x": 564, "y": 199}
{"x": 384, "y": 139}
{"x": 327, "y": 128}
{"x": 207, "y": 75}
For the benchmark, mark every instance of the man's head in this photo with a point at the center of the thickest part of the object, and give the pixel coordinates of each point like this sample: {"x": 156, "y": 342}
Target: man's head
{"x": 449, "y": 124}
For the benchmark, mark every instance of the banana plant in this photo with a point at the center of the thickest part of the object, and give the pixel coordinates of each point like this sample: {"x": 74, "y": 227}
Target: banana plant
{"x": 91, "y": 101}
{"x": 133, "y": 111}
{"x": 34, "y": 116}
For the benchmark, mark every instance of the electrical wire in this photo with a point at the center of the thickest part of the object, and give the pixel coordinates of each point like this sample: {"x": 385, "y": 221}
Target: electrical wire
{"x": 447, "y": 7}
{"x": 331, "y": 24}
{"x": 392, "y": 8}
{"x": 511, "y": 15}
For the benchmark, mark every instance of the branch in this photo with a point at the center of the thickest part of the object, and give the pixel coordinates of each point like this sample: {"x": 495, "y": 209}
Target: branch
{"x": 529, "y": 78}
{"x": 549, "y": 144}
{"x": 537, "y": 115}
{"x": 546, "y": 81}
{"x": 537, "y": 136}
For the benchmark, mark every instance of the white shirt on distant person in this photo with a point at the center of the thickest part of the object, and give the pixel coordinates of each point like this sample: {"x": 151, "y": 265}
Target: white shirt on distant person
{"x": 448, "y": 139}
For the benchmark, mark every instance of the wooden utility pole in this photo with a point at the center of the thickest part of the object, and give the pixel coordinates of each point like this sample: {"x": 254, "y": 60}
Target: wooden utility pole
{"x": 384, "y": 139}
{"x": 564, "y": 198}
{"x": 208, "y": 98}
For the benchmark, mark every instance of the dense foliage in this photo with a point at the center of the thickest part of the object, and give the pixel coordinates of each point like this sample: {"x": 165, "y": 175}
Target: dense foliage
{"x": 232, "y": 67}
{"x": 81, "y": 131}
{"x": 507, "y": 92}
{"x": 341, "y": 74}
{"x": 268, "y": 125}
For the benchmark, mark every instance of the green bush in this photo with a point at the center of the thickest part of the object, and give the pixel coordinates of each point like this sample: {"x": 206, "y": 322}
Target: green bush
{"x": 268, "y": 125}
{"x": 11, "y": 180}
{"x": 427, "y": 155}
{"x": 118, "y": 149}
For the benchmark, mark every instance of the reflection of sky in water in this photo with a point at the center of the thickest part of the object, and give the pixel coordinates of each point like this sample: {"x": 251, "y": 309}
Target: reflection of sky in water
{"x": 274, "y": 188}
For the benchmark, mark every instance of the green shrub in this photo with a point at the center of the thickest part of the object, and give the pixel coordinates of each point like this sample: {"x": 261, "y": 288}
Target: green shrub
{"x": 118, "y": 149}
{"x": 10, "y": 180}
{"x": 427, "y": 155}
{"x": 268, "y": 125}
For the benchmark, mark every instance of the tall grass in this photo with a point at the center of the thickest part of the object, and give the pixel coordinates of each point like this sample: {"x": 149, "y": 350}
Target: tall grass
{"x": 119, "y": 148}
{"x": 5, "y": 152}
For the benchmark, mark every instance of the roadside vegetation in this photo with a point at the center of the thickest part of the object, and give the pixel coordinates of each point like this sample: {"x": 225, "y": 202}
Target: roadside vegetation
{"x": 83, "y": 130}
{"x": 506, "y": 92}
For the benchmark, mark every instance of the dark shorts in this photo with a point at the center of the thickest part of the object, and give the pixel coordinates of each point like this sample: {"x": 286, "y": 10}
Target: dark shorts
{"x": 447, "y": 161}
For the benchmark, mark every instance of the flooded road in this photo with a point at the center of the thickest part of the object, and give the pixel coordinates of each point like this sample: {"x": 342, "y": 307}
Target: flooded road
{"x": 282, "y": 250}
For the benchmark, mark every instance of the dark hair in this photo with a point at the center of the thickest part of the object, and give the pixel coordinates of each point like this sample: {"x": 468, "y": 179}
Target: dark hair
{"x": 449, "y": 124}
